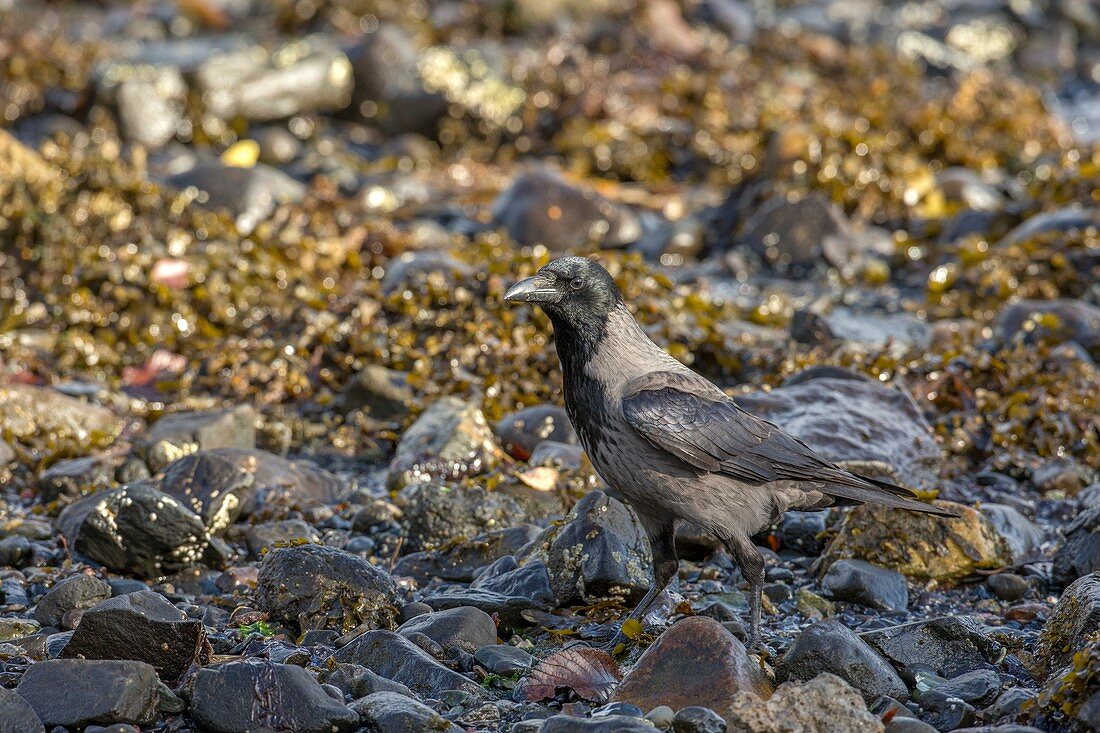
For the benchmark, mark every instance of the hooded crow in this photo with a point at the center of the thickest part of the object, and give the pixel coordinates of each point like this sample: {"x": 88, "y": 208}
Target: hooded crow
{"x": 673, "y": 444}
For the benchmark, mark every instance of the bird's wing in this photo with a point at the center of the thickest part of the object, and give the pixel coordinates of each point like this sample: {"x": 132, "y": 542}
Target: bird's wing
{"x": 687, "y": 416}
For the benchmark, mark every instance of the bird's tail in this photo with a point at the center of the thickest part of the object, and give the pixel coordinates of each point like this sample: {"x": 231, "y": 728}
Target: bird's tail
{"x": 876, "y": 491}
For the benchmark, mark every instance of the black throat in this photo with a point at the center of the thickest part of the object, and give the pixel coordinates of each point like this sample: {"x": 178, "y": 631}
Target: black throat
{"x": 585, "y": 398}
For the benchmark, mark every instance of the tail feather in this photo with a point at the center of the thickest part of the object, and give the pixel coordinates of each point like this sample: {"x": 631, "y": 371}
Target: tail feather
{"x": 876, "y": 491}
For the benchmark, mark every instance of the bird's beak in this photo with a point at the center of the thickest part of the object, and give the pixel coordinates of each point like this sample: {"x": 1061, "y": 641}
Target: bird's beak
{"x": 535, "y": 289}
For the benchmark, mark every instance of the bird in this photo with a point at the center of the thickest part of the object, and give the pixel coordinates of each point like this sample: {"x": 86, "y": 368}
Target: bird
{"x": 671, "y": 443}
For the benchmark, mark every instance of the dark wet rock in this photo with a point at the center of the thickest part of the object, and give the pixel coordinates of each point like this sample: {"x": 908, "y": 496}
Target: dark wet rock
{"x": 464, "y": 628}
{"x": 947, "y": 644}
{"x": 250, "y": 194}
{"x": 71, "y": 478}
{"x": 211, "y": 485}
{"x": 53, "y": 424}
{"x": 607, "y": 724}
{"x": 855, "y": 421}
{"x": 904, "y": 724}
{"x": 540, "y": 207}
{"x": 389, "y": 90}
{"x": 1051, "y": 321}
{"x": 389, "y": 712}
{"x": 802, "y": 532}
{"x": 599, "y": 551}
{"x": 141, "y": 626}
{"x": 1079, "y": 552}
{"x": 358, "y": 681}
{"x": 1008, "y": 586}
{"x": 16, "y": 552}
{"x": 1021, "y": 536}
{"x": 399, "y": 659}
{"x": 138, "y": 529}
{"x": 1075, "y": 619}
{"x": 78, "y": 591}
{"x": 979, "y": 688}
{"x": 438, "y": 514}
{"x": 1063, "y": 220}
{"x": 149, "y": 99}
{"x": 825, "y": 703}
{"x": 919, "y": 545}
{"x": 255, "y": 694}
{"x": 557, "y": 455}
{"x": 263, "y": 537}
{"x": 794, "y": 237}
{"x": 78, "y": 692}
{"x": 944, "y": 712}
{"x": 16, "y": 714}
{"x": 383, "y": 394}
{"x": 506, "y": 595}
{"x": 696, "y": 719}
{"x": 868, "y": 330}
{"x": 1009, "y": 704}
{"x": 306, "y": 75}
{"x": 504, "y": 660}
{"x": 967, "y": 223}
{"x": 318, "y": 587}
{"x": 694, "y": 662}
{"x": 1063, "y": 475}
{"x": 829, "y": 646}
{"x": 856, "y": 581}
{"x": 463, "y": 558}
{"x": 412, "y": 271}
{"x": 181, "y": 433}
{"x": 522, "y": 431}
{"x": 449, "y": 440}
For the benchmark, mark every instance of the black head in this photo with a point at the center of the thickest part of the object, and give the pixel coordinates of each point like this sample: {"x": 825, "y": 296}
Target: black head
{"x": 575, "y": 292}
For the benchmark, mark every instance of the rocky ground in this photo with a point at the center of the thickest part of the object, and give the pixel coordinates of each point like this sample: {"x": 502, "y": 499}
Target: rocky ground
{"x": 275, "y": 456}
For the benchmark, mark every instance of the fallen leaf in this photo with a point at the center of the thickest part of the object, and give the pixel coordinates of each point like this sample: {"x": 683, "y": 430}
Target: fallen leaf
{"x": 591, "y": 673}
{"x": 632, "y": 628}
{"x": 542, "y": 478}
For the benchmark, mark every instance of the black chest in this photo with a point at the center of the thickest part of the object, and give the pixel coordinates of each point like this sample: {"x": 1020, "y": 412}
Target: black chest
{"x": 586, "y": 401}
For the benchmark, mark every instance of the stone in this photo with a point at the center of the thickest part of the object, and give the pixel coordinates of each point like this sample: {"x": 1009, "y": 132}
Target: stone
{"x": 1050, "y": 321}
{"x": 1009, "y": 704}
{"x": 829, "y": 646}
{"x": 357, "y": 681}
{"x": 825, "y": 704}
{"x": 868, "y": 585}
{"x": 1075, "y": 619}
{"x": 557, "y": 455}
{"x": 504, "y": 660}
{"x": 17, "y": 715}
{"x": 506, "y": 595}
{"x": 381, "y": 393}
{"x": 77, "y": 591}
{"x": 54, "y": 425}
{"x": 694, "y": 662}
{"x": 979, "y": 688}
{"x": 857, "y": 422}
{"x": 864, "y": 330}
{"x": 390, "y": 712}
{"x": 17, "y": 628}
{"x": 948, "y": 644}
{"x": 399, "y": 659}
{"x": 1079, "y": 552}
{"x": 522, "y": 431}
{"x": 943, "y": 712}
{"x": 250, "y": 194}
{"x": 1061, "y": 476}
{"x": 449, "y": 440}
{"x": 141, "y": 626}
{"x": 319, "y": 587}
{"x": 903, "y": 724}
{"x": 919, "y": 546}
{"x": 74, "y": 477}
{"x": 78, "y": 692}
{"x": 795, "y": 237}
{"x": 464, "y": 628}
{"x": 150, "y": 100}
{"x": 1021, "y": 536}
{"x": 414, "y": 271}
{"x": 138, "y": 529}
{"x": 1066, "y": 219}
{"x": 256, "y": 694}
{"x": 1008, "y": 586}
{"x": 540, "y": 207}
{"x": 461, "y": 559}
{"x": 181, "y": 433}
{"x": 802, "y": 532}
{"x": 264, "y": 537}
{"x": 598, "y": 552}
{"x": 438, "y": 514}
{"x": 211, "y": 485}
{"x": 696, "y": 719}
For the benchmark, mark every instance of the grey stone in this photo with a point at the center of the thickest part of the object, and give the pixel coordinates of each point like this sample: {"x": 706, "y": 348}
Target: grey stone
{"x": 861, "y": 582}
{"x": 77, "y": 692}
{"x": 390, "y": 712}
{"x": 829, "y": 646}
{"x": 466, "y": 628}
{"x": 399, "y": 659}
{"x": 77, "y": 591}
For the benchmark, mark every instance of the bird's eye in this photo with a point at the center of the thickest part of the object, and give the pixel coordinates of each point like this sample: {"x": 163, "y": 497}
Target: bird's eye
{"x": 576, "y": 283}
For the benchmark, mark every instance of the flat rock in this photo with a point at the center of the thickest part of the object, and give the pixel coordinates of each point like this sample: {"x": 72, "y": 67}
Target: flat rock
{"x": 856, "y": 581}
{"x": 506, "y": 595}
{"x": 695, "y": 662}
{"x": 599, "y": 551}
{"x": 602, "y": 724}
{"x": 396, "y": 658}
{"x": 138, "y": 529}
{"x": 256, "y": 694}
{"x": 390, "y": 712}
{"x": 950, "y": 645}
{"x": 141, "y": 626}
{"x": 1075, "y": 619}
{"x": 180, "y": 433}
{"x": 918, "y": 545}
{"x": 825, "y": 704}
{"x": 78, "y": 692}
{"x": 17, "y": 715}
{"x": 466, "y": 628}
{"x": 857, "y": 422}
{"x": 504, "y": 659}
{"x": 75, "y": 592}
{"x": 449, "y": 440}
{"x": 829, "y": 646}
{"x": 462, "y": 559}
{"x": 319, "y": 587}
{"x": 865, "y": 330}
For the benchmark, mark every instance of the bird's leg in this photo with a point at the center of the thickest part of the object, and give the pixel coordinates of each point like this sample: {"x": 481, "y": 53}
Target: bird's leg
{"x": 662, "y": 545}
{"x": 751, "y": 563}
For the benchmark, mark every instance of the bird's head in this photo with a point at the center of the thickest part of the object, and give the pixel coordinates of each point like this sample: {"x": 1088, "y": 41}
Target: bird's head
{"x": 572, "y": 290}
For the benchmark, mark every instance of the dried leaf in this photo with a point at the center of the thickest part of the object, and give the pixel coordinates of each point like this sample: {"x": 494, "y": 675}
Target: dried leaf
{"x": 591, "y": 673}
{"x": 542, "y": 478}
{"x": 632, "y": 628}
